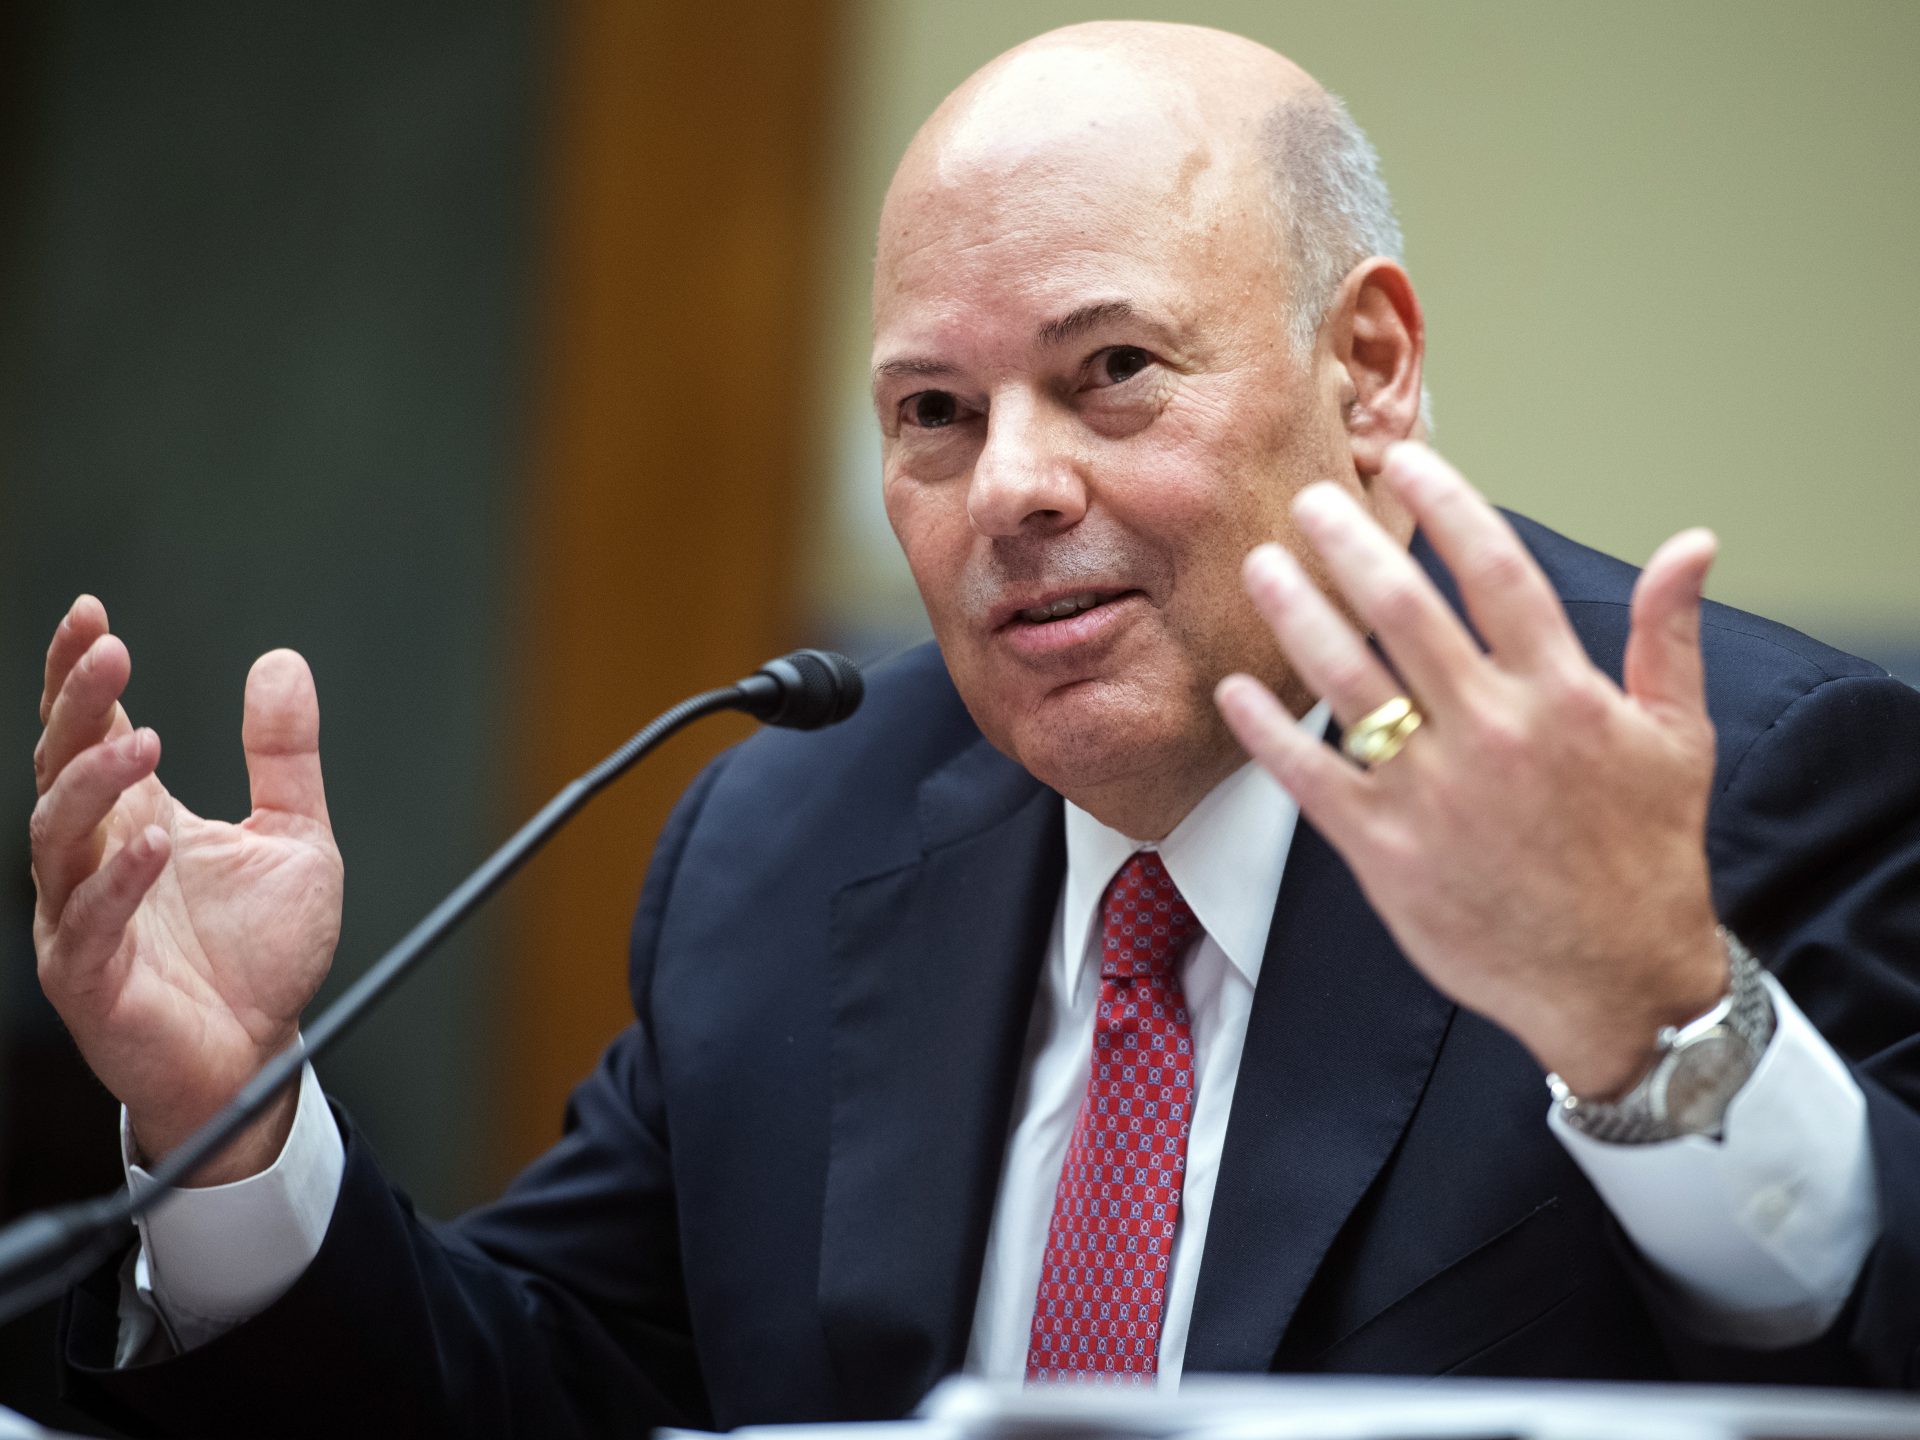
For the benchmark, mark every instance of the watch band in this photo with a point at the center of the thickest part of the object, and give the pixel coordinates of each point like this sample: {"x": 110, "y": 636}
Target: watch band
{"x": 1724, "y": 1045}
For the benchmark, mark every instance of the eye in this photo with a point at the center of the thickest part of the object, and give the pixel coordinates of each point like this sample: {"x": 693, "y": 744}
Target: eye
{"x": 930, "y": 409}
{"x": 1119, "y": 363}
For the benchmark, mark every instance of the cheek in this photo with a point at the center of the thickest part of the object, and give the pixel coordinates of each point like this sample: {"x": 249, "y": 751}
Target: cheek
{"x": 931, "y": 526}
{"x": 1234, "y": 459}
{"x": 1225, "y": 481}
{"x": 1218, "y": 465}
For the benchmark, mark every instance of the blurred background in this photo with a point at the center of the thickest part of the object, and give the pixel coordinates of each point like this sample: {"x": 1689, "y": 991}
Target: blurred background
{"x": 508, "y": 360}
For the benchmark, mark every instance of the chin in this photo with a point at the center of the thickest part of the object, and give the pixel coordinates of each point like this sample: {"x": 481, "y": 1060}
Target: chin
{"x": 1095, "y": 736}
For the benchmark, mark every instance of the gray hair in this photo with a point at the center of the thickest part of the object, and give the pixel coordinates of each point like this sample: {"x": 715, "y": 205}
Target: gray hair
{"x": 1334, "y": 207}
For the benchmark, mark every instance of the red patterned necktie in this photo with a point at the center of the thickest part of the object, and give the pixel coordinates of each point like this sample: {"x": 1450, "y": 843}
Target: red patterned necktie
{"x": 1103, "y": 1279}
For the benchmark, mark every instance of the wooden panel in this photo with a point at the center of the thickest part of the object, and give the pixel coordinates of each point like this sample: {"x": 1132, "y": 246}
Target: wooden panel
{"x": 664, "y": 490}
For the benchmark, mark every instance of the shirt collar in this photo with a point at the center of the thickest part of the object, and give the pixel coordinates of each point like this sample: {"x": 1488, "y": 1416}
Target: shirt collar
{"x": 1226, "y": 856}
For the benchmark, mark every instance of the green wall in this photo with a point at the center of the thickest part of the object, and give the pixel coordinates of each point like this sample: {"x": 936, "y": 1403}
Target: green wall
{"x": 265, "y": 293}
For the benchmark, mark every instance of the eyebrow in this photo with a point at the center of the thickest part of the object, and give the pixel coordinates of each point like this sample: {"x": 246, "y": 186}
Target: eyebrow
{"x": 1087, "y": 317}
{"x": 1054, "y": 332}
{"x": 910, "y": 369}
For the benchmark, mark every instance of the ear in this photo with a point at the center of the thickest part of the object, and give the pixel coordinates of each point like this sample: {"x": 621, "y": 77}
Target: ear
{"x": 1378, "y": 340}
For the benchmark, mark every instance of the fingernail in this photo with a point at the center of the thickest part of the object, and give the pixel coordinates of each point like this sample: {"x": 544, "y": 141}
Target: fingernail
{"x": 1410, "y": 465}
{"x": 1271, "y": 564}
{"x": 151, "y": 839}
{"x": 1318, "y": 504}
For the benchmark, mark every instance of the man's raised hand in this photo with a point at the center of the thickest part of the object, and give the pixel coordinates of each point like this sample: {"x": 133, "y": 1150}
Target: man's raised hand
{"x": 1538, "y": 846}
{"x": 179, "y": 951}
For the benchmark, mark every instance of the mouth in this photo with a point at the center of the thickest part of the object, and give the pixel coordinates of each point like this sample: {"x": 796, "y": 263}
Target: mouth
{"x": 1058, "y": 609}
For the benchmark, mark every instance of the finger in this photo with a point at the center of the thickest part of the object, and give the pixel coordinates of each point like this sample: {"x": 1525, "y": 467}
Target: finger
{"x": 280, "y": 732}
{"x": 66, "y": 832}
{"x": 96, "y": 915}
{"x": 1509, "y": 600}
{"x": 87, "y": 709}
{"x": 1321, "y": 645}
{"x": 1329, "y": 791}
{"x": 1663, "y": 669}
{"x": 84, "y": 622}
{"x": 1428, "y": 645}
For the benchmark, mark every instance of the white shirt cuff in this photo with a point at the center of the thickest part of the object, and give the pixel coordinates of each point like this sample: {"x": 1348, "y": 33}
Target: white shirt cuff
{"x": 211, "y": 1258}
{"x": 1761, "y": 1233}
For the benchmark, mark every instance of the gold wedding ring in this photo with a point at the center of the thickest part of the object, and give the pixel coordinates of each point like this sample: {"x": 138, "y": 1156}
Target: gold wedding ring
{"x": 1378, "y": 736}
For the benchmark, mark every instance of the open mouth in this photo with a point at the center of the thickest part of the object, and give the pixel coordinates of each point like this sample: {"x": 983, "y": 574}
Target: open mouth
{"x": 1067, "y": 607}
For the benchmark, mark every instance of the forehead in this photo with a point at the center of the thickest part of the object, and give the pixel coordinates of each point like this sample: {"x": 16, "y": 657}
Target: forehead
{"x": 1030, "y": 232}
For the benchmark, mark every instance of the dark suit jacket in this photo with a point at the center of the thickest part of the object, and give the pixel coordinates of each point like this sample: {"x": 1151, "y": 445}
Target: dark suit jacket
{"x": 772, "y": 1198}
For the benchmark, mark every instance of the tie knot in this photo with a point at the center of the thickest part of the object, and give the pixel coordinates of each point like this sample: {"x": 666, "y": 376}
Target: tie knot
{"x": 1144, "y": 922}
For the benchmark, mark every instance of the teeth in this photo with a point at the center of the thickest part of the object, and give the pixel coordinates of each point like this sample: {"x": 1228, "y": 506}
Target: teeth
{"x": 1060, "y": 609}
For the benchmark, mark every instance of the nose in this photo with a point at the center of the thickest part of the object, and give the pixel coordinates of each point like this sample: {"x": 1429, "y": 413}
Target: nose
{"x": 1026, "y": 479}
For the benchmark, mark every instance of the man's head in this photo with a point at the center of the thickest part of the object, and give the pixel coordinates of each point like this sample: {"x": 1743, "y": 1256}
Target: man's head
{"x": 1122, "y": 312}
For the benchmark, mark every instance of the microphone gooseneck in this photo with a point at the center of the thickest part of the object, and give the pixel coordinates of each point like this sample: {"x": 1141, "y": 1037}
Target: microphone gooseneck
{"x": 43, "y": 1253}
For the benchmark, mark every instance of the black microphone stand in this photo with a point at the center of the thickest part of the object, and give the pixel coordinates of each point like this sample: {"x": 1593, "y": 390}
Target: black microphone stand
{"x": 42, "y": 1254}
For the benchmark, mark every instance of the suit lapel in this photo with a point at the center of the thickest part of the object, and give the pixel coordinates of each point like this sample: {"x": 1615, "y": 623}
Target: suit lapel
{"x": 1342, "y": 1039}
{"x": 934, "y": 969}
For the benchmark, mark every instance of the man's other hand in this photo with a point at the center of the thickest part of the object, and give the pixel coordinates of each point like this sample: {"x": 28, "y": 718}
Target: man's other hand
{"x": 179, "y": 951}
{"x": 1538, "y": 846}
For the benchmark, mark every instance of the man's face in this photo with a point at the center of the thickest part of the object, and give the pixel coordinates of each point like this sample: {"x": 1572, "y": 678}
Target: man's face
{"x": 1090, "y": 414}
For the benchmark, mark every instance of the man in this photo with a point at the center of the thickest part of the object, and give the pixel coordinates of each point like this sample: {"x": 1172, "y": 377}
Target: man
{"x": 930, "y": 1069}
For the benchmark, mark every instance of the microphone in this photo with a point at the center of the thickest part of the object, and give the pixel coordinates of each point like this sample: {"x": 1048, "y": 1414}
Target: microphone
{"x": 44, "y": 1252}
{"x": 804, "y": 690}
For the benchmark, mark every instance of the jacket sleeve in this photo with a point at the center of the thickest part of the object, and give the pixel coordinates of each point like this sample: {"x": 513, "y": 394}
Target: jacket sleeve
{"x": 1815, "y": 852}
{"x": 556, "y": 1311}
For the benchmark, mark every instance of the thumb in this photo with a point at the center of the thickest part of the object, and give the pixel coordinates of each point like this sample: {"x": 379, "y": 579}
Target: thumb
{"x": 1662, "y": 667}
{"x": 280, "y": 732}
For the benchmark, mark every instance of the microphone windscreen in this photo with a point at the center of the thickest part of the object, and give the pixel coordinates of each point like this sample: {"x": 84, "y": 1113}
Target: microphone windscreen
{"x": 808, "y": 689}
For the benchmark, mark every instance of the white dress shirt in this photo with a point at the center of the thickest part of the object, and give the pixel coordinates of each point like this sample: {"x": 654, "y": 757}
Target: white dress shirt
{"x": 1760, "y": 1234}
{"x": 212, "y": 1257}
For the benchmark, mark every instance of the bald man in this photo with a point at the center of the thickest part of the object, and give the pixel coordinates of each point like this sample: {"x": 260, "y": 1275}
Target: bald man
{"x": 1163, "y": 974}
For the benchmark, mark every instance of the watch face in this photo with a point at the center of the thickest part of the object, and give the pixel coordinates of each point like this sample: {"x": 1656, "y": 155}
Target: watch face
{"x": 1703, "y": 1079}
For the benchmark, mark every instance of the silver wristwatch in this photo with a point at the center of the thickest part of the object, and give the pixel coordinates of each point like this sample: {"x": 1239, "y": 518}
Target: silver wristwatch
{"x": 1702, "y": 1066}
